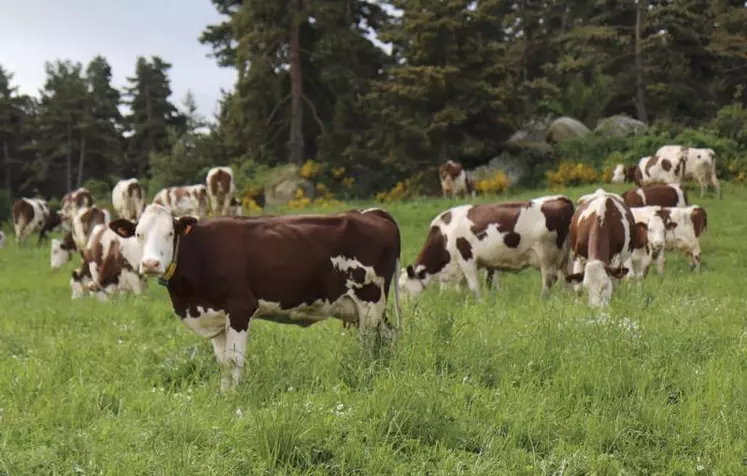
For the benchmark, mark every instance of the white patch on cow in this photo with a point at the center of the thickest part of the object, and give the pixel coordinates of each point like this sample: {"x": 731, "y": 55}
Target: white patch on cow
{"x": 639, "y": 192}
{"x": 618, "y": 175}
{"x": 598, "y": 284}
{"x": 346, "y": 264}
{"x": 58, "y": 256}
{"x": 192, "y": 202}
{"x": 155, "y": 236}
{"x": 233, "y": 358}
{"x": 207, "y": 322}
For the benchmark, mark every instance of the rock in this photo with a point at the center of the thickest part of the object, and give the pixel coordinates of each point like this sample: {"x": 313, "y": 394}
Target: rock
{"x": 564, "y": 128}
{"x": 283, "y": 184}
{"x": 513, "y": 167}
{"x": 619, "y": 126}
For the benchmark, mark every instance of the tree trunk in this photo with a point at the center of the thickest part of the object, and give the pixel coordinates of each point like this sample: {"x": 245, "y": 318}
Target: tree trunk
{"x": 640, "y": 85}
{"x": 6, "y": 155}
{"x": 81, "y": 159}
{"x": 69, "y": 158}
{"x": 295, "y": 144}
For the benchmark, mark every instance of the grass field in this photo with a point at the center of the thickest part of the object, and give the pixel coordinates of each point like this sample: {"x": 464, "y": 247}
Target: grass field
{"x": 656, "y": 384}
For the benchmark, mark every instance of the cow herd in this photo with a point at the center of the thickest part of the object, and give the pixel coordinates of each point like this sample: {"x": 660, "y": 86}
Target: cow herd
{"x": 223, "y": 272}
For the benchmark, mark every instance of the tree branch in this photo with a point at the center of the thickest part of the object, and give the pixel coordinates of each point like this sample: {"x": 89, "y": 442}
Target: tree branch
{"x": 275, "y": 109}
{"x": 314, "y": 112}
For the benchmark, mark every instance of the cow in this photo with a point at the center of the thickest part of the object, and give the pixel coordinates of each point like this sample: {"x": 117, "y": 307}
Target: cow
{"x": 698, "y": 164}
{"x": 61, "y": 250}
{"x": 604, "y": 236}
{"x": 184, "y": 200}
{"x": 53, "y": 221}
{"x": 663, "y": 195}
{"x": 685, "y": 226}
{"x": 220, "y": 189}
{"x": 454, "y": 180}
{"x": 499, "y": 236}
{"x": 71, "y": 202}
{"x": 107, "y": 266}
{"x": 29, "y": 215}
{"x": 623, "y": 174}
{"x": 654, "y": 169}
{"x": 128, "y": 199}
{"x": 298, "y": 270}
{"x": 659, "y": 226}
{"x": 84, "y": 220}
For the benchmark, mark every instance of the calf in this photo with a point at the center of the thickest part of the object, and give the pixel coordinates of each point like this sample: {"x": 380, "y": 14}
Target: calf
{"x": 697, "y": 163}
{"x": 671, "y": 195}
{"x": 71, "y": 202}
{"x": 623, "y": 174}
{"x": 29, "y": 215}
{"x": 84, "y": 220}
{"x": 128, "y": 199}
{"x": 454, "y": 180}
{"x": 603, "y": 236}
{"x": 220, "y": 189}
{"x": 509, "y": 235}
{"x": 62, "y": 250}
{"x": 297, "y": 270}
{"x": 185, "y": 200}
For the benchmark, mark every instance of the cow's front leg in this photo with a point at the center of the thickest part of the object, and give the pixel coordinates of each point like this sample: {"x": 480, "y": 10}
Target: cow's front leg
{"x": 548, "y": 279}
{"x": 469, "y": 268}
{"x": 219, "y": 347}
{"x": 660, "y": 261}
{"x": 237, "y": 334}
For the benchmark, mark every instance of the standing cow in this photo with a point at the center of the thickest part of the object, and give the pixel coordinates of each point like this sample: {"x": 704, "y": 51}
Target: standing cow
{"x": 669, "y": 195}
{"x": 84, "y": 220}
{"x": 220, "y": 189}
{"x": 223, "y": 272}
{"x": 71, "y": 202}
{"x": 454, "y": 180}
{"x": 603, "y": 237}
{"x": 698, "y": 164}
{"x": 509, "y": 235}
{"x": 184, "y": 200}
{"x": 29, "y": 215}
{"x": 128, "y": 199}
{"x": 623, "y": 174}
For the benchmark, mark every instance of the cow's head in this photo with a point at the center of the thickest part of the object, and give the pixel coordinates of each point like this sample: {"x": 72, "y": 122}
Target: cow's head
{"x": 618, "y": 175}
{"x": 704, "y": 154}
{"x": 58, "y": 255}
{"x": 597, "y": 280}
{"x": 155, "y": 233}
{"x": 412, "y": 281}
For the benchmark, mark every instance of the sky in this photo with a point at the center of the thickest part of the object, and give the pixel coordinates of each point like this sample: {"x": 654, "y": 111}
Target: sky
{"x": 35, "y": 31}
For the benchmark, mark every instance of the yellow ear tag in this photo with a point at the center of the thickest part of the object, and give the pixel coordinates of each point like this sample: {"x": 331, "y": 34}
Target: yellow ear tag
{"x": 187, "y": 229}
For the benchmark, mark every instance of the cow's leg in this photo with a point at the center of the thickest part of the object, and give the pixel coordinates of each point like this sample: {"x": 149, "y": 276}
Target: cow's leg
{"x": 660, "y": 260}
{"x": 237, "y": 334}
{"x": 714, "y": 181}
{"x": 578, "y": 267}
{"x": 548, "y": 279}
{"x": 469, "y": 268}
{"x": 219, "y": 347}
{"x": 489, "y": 278}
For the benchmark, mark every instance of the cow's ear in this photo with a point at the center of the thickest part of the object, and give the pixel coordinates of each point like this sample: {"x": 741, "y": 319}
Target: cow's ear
{"x": 122, "y": 227}
{"x": 410, "y": 271}
{"x": 616, "y": 273}
{"x": 671, "y": 225}
{"x": 183, "y": 226}
{"x": 574, "y": 278}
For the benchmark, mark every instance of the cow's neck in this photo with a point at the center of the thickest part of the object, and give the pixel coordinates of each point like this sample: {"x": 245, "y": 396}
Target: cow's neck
{"x": 171, "y": 268}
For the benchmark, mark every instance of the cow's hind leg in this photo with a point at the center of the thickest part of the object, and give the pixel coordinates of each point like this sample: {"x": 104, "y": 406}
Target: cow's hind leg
{"x": 715, "y": 183}
{"x": 548, "y": 279}
{"x": 219, "y": 347}
{"x": 471, "y": 273}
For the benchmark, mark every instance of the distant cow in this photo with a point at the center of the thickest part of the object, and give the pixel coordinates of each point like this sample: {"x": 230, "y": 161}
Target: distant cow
{"x": 623, "y": 174}
{"x": 698, "y": 164}
{"x": 454, "y": 180}
{"x": 84, "y": 220}
{"x": 29, "y": 215}
{"x": 184, "y": 200}
{"x": 220, "y": 189}
{"x": 107, "y": 266}
{"x": 128, "y": 199}
{"x": 671, "y": 195}
{"x": 500, "y": 236}
{"x": 53, "y": 221}
{"x": 685, "y": 225}
{"x": 61, "y": 250}
{"x": 223, "y": 272}
{"x": 658, "y": 226}
{"x": 603, "y": 237}
{"x": 71, "y": 202}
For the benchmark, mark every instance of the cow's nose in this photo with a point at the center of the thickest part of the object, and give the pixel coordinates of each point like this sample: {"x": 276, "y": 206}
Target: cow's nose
{"x": 150, "y": 265}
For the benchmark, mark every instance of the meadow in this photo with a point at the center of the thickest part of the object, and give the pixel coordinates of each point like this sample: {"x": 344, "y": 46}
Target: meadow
{"x": 654, "y": 384}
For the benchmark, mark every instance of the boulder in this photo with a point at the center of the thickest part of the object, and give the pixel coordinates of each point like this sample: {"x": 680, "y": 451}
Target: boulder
{"x": 564, "y": 128}
{"x": 619, "y": 126}
{"x": 513, "y": 167}
{"x": 283, "y": 184}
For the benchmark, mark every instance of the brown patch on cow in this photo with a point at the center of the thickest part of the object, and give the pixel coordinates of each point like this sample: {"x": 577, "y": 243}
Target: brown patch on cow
{"x": 666, "y": 165}
{"x": 219, "y": 183}
{"x": 368, "y": 292}
{"x": 629, "y": 173}
{"x": 502, "y": 215}
{"x": 700, "y": 221}
{"x": 446, "y": 218}
{"x": 658, "y": 194}
{"x": 665, "y": 215}
{"x": 465, "y": 249}
{"x": 82, "y": 198}
{"x": 22, "y": 210}
{"x": 650, "y": 163}
{"x": 358, "y": 275}
{"x": 434, "y": 256}
{"x": 681, "y": 167}
{"x": 450, "y": 169}
{"x": 558, "y": 214}
{"x": 593, "y": 240}
{"x": 179, "y": 193}
{"x": 135, "y": 190}
{"x": 90, "y": 218}
{"x": 640, "y": 236}
{"x": 632, "y": 199}
{"x": 53, "y": 221}
{"x": 68, "y": 244}
{"x": 512, "y": 239}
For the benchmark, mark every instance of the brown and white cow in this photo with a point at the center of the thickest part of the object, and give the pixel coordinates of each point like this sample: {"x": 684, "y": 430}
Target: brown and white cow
{"x": 84, "y": 220}
{"x": 454, "y": 180}
{"x": 655, "y": 169}
{"x": 62, "y": 250}
{"x": 184, "y": 200}
{"x": 71, "y": 202}
{"x": 128, "y": 199}
{"x": 29, "y": 215}
{"x": 669, "y": 195}
{"x": 220, "y": 189}
{"x": 698, "y": 164}
{"x": 658, "y": 227}
{"x": 107, "y": 266}
{"x": 297, "y": 270}
{"x": 499, "y": 236}
{"x": 604, "y": 237}
{"x": 623, "y": 174}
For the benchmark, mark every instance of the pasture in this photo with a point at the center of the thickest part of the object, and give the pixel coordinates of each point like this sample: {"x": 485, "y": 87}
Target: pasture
{"x": 654, "y": 384}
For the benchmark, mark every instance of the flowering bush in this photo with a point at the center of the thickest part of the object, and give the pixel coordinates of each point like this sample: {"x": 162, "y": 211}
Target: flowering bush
{"x": 324, "y": 198}
{"x": 310, "y": 169}
{"x": 495, "y": 184}
{"x": 401, "y": 191}
{"x": 569, "y": 174}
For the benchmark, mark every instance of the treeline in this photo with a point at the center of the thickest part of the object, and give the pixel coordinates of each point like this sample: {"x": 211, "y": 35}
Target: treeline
{"x": 461, "y": 78}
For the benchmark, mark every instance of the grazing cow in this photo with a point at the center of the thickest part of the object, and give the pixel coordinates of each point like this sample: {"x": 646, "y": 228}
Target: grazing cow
{"x": 698, "y": 164}
{"x": 29, "y": 215}
{"x": 454, "y": 180}
{"x": 128, "y": 199}
{"x": 603, "y": 237}
{"x": 297, "y": 270}
{"x": 623, "y": 174}
{"x": 670, "y": 195}
{"x": 220, "y": 189}
{"x": 107, "y": 266}
{"x": 71, "y": 202}
{"x": 184, "y": 200}
{"x": 53, "y": 221}
{"x": 685, "y": 225}
{"x": 62, "y": 250}
{"x": 85, "y": 220}
{"x": 500, "y": 236}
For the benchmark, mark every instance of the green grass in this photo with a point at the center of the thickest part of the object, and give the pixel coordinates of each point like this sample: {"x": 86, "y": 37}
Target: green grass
{"x": 511, "y": 385}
